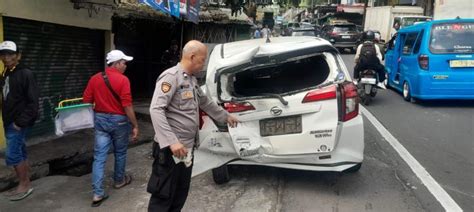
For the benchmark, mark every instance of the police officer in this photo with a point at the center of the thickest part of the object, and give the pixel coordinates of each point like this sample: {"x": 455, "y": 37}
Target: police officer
{"x": 174, "y": 112}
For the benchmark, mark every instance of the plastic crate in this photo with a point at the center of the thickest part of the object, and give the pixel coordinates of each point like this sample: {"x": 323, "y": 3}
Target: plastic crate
{"x": 73, "y": 115}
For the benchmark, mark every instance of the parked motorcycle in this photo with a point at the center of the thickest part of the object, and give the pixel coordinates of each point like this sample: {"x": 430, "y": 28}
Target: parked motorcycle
{"x": 367, "y": 86}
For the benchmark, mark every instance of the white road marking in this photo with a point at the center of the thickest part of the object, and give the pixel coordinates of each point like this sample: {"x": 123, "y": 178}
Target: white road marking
{"x": 438, "y": 192}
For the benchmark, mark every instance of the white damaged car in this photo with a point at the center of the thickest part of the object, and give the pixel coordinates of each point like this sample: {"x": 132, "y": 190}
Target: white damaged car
{"x": 296, "y": 102}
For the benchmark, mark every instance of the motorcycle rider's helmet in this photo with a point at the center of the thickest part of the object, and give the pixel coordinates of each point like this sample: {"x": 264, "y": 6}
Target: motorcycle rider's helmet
{"x": 368, "y": 36}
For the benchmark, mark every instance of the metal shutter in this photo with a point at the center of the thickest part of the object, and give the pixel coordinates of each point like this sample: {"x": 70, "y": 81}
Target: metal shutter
{"x": 62, "y": 59}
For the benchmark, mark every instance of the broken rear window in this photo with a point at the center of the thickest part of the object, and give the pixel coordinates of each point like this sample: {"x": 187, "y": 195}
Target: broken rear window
{"x": 286, "y": 77}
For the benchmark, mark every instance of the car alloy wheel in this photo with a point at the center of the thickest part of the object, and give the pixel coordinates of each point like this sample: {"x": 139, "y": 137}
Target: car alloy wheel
{"x": 406, "y": 92}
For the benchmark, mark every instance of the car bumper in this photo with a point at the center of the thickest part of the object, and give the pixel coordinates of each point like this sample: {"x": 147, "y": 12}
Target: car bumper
{"x": 345, "y": 45}
{"x": 458, "y": 85}
{"x": 349, "y": 151}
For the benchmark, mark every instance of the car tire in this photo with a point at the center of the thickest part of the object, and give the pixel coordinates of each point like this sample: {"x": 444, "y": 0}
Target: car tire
{"x": 406, "y": 92}
{"x": 386, "y": 83}
{"x": 221, "y": 174}
{"x": 366, "y": 100}
{"x": 354, "y": 169}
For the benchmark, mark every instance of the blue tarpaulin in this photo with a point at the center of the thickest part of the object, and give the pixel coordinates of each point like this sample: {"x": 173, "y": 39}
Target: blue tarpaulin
{"x": 167, "y": 6}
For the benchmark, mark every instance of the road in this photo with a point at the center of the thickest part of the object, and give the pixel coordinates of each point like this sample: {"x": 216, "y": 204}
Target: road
{"x": 439, "y": 134}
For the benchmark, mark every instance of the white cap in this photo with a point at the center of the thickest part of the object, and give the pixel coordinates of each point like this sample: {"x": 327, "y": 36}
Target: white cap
{"x": 116, "y": 55}
{"x": 8, "y": 46}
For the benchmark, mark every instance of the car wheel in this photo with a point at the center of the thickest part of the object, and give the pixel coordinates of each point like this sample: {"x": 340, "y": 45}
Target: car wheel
{"x": 366, "y": 100}
{"x": 221, "y": 174}
{"x": 354, "y": 169}
{"x": 387, "y": 85}
{"x": 373, "y": 94}
{"x": 406, "y": 92}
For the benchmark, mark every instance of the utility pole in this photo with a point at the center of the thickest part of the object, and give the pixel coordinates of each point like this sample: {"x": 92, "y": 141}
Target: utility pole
{"x": 365, "y": 13}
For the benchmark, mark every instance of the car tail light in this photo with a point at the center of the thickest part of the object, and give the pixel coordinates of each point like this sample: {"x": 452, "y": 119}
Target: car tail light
{"x": 333, "y": 34}
{"x": 423, "y": 61}
{"x": 320, "y": 94}
{"x": 235, "y": 107}
{"x": 350, "y": 101}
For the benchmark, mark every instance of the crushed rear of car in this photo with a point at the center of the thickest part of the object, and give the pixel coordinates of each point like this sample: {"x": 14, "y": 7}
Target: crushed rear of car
{"x": 297, "y": 106}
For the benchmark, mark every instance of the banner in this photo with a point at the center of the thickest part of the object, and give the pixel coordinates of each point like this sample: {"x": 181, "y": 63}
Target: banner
{"x": 183, "y": 7}
{"x": 174, "y": 8}
{"x": 167, "y": 6}
{"x": 192, "y": 10}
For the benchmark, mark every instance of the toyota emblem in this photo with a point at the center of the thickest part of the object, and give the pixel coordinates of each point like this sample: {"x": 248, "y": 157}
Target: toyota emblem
{"x": 276, "y": 111}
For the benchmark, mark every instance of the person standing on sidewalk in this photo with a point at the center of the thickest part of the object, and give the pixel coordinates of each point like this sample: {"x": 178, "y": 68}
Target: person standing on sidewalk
{"x": 174, "y": 112}
{"x": 110, "y": 92}
{"x": 19, "y": 110}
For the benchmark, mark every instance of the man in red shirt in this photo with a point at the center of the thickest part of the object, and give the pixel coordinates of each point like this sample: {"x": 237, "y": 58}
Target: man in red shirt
{"x": 110, "y": 92}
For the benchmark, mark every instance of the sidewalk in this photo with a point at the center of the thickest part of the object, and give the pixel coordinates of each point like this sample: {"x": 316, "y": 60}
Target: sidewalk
{"x": 70, "y": 154}
{"x": 67, "y": 193}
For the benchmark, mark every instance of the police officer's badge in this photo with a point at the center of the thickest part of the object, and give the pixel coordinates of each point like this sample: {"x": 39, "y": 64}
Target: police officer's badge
{"x": 165, "y": 87}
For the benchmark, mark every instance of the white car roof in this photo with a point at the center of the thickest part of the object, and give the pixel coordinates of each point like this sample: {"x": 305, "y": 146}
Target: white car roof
{"x": 277, "y": 45}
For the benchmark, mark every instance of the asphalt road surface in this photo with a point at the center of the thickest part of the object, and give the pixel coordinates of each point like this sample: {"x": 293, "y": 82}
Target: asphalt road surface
{"x": 438, "y": 134}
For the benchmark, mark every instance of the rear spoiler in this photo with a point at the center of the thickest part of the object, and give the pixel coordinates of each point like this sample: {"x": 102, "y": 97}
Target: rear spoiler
{"x": 284, "y": 56}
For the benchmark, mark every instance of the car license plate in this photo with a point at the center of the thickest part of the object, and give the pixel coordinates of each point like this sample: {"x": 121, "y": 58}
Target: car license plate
{"x": 368, "y": 81}
{"x": 280, "y": 126}
{"x": 346, "y": 37}
{"x": 461, "y": 63}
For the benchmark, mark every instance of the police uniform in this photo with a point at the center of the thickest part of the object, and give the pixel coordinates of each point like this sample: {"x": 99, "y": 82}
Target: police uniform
{"x": 174, "y": 112}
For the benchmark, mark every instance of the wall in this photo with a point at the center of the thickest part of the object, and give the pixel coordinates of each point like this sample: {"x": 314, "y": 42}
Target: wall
{"x": 449, "y": 9}
{"x": 2, "y": 135}
{"x": 58, "y": 12}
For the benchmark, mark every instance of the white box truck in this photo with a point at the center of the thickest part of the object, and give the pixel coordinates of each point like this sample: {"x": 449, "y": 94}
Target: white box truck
{"x": 384, "y": 18}
{"x": 449, "y": 9}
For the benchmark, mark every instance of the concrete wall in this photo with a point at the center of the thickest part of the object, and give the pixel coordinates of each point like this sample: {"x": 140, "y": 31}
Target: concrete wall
{"x": 2, "y": 135}
{"x": 58, "y": 12}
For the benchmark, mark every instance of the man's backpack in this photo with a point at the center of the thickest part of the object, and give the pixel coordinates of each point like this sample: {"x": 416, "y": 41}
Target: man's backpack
{"x": 368, "y": 54}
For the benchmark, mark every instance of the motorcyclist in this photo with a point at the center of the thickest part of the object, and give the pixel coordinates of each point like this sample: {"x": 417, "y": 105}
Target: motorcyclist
{"x": 368, "y": 56}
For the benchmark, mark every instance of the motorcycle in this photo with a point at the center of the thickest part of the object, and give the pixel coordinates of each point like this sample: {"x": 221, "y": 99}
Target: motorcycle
{"x": 367, "y": 86}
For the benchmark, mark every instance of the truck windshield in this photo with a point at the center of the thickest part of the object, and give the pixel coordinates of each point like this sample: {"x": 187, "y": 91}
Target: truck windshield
{"x": 408, "y": 21}
{"x": 452, "y": 38}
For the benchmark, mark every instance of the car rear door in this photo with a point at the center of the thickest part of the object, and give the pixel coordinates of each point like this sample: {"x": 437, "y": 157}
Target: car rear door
{"x": 451, "y": 62}
{"x": 306, "y": 125}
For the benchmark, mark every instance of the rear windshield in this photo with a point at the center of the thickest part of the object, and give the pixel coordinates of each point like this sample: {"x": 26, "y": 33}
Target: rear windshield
{"x": 294, "y": 25}
{"x": 410, "y": 21}
{"x": 345, "y": 28}
{"x": 452, "y": 38}
{"x": 281, "y": 78}
{"x": 303, "y": 33}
